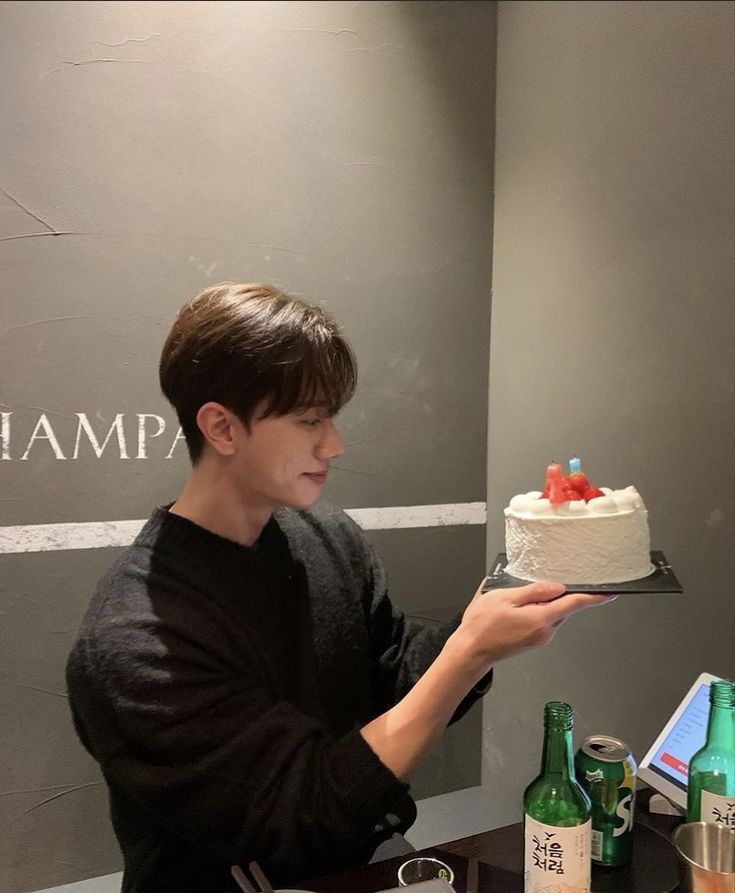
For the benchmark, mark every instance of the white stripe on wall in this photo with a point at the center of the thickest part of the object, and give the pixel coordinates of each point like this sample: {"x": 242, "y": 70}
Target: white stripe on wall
{"x": 105, "y": 534}
{"x": 420, "y": 516}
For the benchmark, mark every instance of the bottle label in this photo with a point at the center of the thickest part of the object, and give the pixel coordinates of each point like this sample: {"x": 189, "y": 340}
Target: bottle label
{"x": 718, "y": 809}
{"x": 597, "y": 845}
{"x": 557, "y": 858}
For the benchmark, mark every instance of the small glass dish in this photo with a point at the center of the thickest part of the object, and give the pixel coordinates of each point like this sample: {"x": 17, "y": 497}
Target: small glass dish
{"x": 424, "y": 868}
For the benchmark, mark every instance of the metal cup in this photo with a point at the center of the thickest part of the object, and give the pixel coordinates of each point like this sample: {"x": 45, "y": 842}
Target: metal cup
{"x": 705, "y": 858}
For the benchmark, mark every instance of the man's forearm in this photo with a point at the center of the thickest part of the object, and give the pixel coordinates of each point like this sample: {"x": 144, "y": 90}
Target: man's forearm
{"x": 494, "y": 627}
{"x": 402, "y": 736}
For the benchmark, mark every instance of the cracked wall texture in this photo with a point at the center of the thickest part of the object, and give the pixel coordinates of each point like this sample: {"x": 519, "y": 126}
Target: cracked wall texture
{"x": 340, "y": 150}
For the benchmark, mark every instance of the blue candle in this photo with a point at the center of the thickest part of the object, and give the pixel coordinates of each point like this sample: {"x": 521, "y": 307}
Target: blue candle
{"x": 575, "y": 465}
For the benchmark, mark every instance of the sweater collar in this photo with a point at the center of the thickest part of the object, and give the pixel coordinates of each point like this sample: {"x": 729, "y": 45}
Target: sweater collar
{"x": 167, "y": 531}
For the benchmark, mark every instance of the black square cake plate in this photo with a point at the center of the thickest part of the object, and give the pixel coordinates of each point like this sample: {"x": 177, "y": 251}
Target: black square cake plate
{"x": 661, "y": 580}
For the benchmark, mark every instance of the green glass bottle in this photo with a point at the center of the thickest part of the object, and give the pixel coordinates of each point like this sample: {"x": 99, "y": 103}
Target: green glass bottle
{"x": 711, "y": 789}
{"x": 556, "y": 813}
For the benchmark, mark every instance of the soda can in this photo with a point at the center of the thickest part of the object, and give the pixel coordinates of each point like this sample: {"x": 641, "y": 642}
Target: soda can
{"x": 607, "y": 771}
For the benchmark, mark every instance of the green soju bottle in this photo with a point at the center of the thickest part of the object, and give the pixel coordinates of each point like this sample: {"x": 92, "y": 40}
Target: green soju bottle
{"x": 556, "y": 814}
{"x": 711, "y": 792}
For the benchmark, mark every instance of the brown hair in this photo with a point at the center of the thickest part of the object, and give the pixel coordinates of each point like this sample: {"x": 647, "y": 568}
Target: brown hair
{"x": 241, "y": 344}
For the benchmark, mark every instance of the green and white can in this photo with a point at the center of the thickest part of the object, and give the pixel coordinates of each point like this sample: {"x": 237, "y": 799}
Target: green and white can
{"x": 607, "y": 771}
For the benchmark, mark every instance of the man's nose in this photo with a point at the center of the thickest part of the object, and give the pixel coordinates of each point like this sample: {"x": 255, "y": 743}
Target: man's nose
{"x": 331, "y": 444}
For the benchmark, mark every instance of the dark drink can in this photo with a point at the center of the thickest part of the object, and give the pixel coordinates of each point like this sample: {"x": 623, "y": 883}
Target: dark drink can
{"x": 606, "y": 770}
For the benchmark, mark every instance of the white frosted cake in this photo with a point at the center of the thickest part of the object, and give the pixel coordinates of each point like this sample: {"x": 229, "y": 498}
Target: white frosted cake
{"x": 577, "y": 533}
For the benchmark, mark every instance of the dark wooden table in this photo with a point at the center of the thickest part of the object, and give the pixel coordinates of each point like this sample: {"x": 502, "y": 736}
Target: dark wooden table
{"x": 500, "y": 856}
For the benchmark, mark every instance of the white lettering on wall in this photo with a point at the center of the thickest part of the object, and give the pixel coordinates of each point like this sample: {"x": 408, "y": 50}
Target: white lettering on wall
{"x": 179, "y": 436}
{"x": 5, "y": 434}
{"x": 143, "y": 426}
{"x": 48, "y": 435}
{"x": 85, "y": 426}
{"x": 142, "y": 416}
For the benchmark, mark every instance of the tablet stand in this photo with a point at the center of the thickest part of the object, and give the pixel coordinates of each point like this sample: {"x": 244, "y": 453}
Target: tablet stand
{"x": 661, "y": 805}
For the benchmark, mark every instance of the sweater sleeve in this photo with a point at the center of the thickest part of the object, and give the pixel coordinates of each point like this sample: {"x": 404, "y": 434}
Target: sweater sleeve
{"x": 186, "y": 732}
{"x": 402, "y": 648}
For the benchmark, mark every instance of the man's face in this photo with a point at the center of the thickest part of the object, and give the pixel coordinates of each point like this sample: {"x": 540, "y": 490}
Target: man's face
{"x": 284, "y": 460}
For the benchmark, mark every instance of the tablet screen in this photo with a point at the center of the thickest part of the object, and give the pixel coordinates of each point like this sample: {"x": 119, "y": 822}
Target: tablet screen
{"x": 666, "y": 765}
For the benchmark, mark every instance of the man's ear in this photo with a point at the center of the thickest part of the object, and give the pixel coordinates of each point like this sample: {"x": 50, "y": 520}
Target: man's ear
{"x": 216, "y": 423}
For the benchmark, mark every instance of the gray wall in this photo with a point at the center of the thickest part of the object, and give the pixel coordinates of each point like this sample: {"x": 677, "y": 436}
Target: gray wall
{"x": 340, "y": 150}
{"x": 612, "y": 338}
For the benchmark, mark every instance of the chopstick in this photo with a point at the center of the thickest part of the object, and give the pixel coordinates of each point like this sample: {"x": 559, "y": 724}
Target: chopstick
{"x": 256, "y": 871}
{"x": 242, "y": 882}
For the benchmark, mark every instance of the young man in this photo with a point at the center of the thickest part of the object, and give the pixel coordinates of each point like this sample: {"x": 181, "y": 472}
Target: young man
{"x": 241, "y": 676}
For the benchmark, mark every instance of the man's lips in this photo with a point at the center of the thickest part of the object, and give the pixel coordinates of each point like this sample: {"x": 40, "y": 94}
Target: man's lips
{"x": 319, "y": 477}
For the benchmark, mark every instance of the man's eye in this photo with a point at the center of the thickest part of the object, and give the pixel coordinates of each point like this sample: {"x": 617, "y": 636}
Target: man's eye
{"x": 312, "y": 422}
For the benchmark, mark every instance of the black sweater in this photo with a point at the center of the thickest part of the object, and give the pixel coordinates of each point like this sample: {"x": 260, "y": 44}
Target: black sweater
{"x": 221, "y": 689}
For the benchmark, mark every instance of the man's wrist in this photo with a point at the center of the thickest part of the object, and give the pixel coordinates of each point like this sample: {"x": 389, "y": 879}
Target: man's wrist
{"x": 462, "y": 649}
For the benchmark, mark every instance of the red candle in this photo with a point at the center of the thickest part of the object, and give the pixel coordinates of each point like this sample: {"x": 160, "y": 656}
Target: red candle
{"x": 554, "y": 479}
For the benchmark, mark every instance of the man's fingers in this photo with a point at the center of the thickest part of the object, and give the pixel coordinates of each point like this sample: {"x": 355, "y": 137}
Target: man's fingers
{"x": 572, "y": 602}
{"x": 535, "y": 593}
